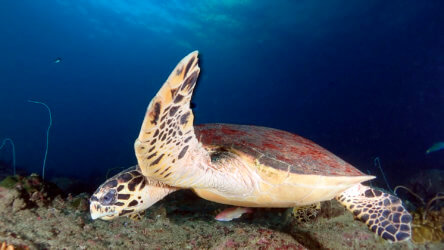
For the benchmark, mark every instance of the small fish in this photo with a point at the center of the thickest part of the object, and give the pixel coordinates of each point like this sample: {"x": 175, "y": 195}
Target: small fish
{"x": 435, "y": 147}
{"x": 232, "y": 213}
{"x": 57, "y": 60}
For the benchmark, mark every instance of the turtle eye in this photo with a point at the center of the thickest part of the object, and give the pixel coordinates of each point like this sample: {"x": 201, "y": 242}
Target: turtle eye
{"x": 109, "y": 197}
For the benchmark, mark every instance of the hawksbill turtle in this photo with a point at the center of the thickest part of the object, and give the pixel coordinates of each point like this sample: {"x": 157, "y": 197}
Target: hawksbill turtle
{"x": 239, "y": 165}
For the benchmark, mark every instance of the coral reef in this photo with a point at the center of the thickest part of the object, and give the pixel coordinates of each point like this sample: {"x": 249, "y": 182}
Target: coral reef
{"x": 25, "y": 192}
{"x": 426, "y": 185}
{"x": 428, "y": 226}
{"x": 426, "y": 200}
{"x": 180, "y": 221}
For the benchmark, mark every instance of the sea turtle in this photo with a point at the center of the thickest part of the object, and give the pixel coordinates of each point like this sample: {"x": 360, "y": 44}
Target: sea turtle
{"x": 239, "y": 165}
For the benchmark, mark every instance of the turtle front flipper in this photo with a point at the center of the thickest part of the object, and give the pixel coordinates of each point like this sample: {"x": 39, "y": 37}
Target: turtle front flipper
{"x": 167, "y": 136}
{"x": 383, "y": 213}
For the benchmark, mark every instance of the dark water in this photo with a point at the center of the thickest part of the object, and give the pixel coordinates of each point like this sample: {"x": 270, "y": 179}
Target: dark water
{"x": 364, "y": 79}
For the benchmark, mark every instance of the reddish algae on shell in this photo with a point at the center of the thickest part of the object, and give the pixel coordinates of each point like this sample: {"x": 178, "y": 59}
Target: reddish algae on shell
{"x": 276, "y": 148}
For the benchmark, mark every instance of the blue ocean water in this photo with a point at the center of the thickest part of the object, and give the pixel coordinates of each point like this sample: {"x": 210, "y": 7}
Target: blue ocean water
{"x": 363, "y": 79}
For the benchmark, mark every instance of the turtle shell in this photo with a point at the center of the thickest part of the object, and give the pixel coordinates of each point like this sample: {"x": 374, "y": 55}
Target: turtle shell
{"x": 275, "y": 148}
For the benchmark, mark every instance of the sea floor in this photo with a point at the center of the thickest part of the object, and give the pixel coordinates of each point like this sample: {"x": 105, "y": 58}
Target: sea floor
{"x": 181, "y": 221}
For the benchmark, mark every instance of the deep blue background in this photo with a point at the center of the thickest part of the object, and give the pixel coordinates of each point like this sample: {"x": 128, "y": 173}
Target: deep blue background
{"x": 361, "y": 78}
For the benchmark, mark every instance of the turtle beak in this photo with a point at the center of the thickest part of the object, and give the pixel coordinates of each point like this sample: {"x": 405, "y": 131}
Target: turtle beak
{"x": 94, "y": 212}
{"x": 98, "y": 211}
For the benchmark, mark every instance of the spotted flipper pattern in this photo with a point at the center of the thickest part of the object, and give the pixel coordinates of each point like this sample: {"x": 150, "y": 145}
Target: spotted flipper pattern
{"x": 167, "y": 133}
{"x": 136, "y": 216}
{"x": 383, "y": 213}
{"x": 306, "y": 213}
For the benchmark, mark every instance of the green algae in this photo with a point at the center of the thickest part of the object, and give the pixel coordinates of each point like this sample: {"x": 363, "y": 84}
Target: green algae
{"x": 9, "y": 182}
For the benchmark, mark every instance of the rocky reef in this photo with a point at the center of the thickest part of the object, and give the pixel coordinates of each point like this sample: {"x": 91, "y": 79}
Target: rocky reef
{"x": 37, "y": 215}
{"x": 424, "y": 196}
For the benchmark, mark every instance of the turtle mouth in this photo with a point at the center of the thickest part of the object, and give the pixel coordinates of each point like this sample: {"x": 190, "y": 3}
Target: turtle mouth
{"x": 98, "y": 211}
{"x": 107, "y": 217}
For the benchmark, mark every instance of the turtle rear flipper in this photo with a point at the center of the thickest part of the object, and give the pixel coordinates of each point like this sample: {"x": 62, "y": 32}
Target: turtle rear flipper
{"x": 383, "y": 213}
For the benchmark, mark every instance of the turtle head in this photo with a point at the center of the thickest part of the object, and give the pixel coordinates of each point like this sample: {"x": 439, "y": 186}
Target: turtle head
{"x": 126, "y": 194}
